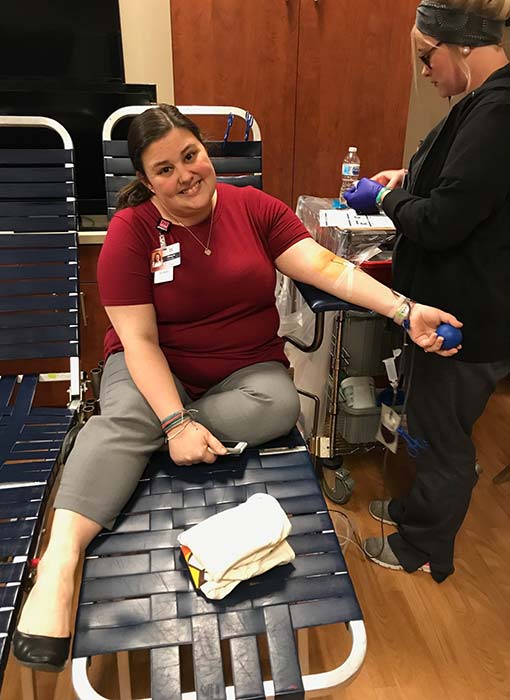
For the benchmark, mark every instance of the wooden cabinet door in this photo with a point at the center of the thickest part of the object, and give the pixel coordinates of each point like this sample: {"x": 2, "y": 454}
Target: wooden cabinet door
{"x": 243, "y": 54}
{"x": 353, "y": 84}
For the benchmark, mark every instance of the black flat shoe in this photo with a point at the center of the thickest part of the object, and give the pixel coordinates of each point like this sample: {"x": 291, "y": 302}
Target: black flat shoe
{"x": 39, "y": 652}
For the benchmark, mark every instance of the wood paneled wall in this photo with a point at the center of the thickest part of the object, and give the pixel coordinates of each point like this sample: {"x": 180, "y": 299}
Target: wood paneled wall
{"x": 318, "y": 76}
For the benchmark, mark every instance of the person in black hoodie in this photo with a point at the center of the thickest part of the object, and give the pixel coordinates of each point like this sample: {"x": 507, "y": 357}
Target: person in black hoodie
{"x": 452, "y": 214}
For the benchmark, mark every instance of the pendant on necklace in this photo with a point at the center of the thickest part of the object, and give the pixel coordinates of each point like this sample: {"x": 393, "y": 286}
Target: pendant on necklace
{"x": 207, "y": 251}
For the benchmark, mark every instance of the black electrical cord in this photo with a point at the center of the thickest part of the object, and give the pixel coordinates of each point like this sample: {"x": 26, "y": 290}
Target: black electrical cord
{"x": 406, "y": 378}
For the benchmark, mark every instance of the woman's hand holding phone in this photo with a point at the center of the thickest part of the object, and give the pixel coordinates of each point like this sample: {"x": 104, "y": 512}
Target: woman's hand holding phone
{"x": 193, "y": 445}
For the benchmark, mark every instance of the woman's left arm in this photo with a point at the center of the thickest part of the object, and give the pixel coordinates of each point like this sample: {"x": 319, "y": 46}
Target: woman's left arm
{"x": 307, "y": 261}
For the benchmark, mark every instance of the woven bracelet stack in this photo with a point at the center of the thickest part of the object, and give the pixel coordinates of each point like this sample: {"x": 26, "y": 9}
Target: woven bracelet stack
{"x": 181, "y": 417}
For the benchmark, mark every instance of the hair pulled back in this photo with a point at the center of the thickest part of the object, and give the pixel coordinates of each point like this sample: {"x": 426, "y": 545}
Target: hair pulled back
{"x": 149, "y": 126}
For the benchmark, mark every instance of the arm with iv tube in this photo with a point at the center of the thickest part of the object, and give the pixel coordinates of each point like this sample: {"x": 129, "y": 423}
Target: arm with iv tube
{"x": 308, "y": 262}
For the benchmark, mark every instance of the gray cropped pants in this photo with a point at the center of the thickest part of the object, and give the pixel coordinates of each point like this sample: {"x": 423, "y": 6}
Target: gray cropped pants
{"x": 255, "y": 404}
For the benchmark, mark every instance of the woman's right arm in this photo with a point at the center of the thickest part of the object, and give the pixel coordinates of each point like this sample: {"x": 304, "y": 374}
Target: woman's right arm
{"x": 137, "y": 329}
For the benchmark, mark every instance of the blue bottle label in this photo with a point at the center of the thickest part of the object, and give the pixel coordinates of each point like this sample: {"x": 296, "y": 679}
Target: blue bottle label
{"x": 350, "y": 170}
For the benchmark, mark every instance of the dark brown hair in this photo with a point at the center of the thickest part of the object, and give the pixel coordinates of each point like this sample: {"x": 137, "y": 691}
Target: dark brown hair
{"x": 147, "y": 127}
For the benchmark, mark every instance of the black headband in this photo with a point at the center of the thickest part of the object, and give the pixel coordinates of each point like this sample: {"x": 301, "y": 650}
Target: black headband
{"x": 452, "y": 26}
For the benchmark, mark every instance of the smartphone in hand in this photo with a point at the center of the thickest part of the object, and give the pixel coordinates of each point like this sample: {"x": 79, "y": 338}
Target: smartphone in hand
{"x": 234, "y": 447}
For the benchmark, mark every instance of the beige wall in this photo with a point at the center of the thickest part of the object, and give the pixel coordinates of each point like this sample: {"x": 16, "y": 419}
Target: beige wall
{"x": 426, "y": 108}
{"x": 147, "y": 44}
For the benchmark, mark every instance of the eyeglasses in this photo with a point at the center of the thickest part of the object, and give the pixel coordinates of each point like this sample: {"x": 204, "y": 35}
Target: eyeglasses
{"x": 425, "y": 58}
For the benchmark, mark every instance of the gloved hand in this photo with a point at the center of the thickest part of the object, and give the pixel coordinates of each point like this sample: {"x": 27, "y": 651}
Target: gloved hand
{"x": 362, "y": 196}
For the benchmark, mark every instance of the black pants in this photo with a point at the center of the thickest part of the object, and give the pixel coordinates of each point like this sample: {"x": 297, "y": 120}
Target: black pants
{"x": 446, "y": 397}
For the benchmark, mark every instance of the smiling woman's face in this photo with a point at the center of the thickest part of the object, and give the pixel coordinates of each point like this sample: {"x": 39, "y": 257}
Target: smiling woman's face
{"x": 441, "y": 65}
{"x": 180, "y": 173}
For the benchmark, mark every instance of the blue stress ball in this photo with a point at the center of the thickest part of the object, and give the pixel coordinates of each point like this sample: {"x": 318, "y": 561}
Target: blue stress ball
{"x": 452, "y": 336}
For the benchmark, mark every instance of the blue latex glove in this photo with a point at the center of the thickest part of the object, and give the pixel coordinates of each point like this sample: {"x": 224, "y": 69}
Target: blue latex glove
{"x": 362, "y": 196}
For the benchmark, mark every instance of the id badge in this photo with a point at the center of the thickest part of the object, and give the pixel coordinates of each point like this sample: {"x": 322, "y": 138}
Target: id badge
{"x": 157, "y": 259}
{"x": 163, "y": 261}
{"x": 388, "y": 426}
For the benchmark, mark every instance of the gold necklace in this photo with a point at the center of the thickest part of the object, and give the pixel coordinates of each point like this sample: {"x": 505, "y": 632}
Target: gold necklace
{"x": 207, "y": 250}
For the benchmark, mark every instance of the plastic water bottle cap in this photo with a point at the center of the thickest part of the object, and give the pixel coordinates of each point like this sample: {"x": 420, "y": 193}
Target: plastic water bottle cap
{"x": 353, "y": 149}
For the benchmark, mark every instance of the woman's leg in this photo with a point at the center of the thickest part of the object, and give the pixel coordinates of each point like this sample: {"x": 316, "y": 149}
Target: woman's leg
{"x": 101, "y": 473}
{"x": 446, "y": 398}
{"x": 110, "y": 454}
{"x": 254, "y": 404}
{"x": 112, "y": 449}
{"x": 47, "y": 610}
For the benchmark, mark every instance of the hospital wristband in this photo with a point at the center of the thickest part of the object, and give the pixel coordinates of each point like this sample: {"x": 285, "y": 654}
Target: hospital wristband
{"x": 380, "y": 196}
{"x": 402, "y": 315}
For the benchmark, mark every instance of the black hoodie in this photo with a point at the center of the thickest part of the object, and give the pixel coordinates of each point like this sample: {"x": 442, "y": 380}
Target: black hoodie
{"x": 453, "y": 217}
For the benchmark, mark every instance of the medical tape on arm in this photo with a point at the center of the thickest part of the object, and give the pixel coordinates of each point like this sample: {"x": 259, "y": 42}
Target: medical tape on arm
{"x": 343, "y": 285}
{"x": 346, "y": 275}
{"x": 353, "y": 284}
{"x": 349, "y": 266}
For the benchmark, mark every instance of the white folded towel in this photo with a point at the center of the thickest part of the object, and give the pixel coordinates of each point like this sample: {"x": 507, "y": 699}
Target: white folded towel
{"x": 281, "y": 554}
{"x": 239, "y": 543}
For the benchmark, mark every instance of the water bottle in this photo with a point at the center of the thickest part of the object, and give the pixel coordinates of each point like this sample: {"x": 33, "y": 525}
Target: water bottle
{"x": 350, "y": 171}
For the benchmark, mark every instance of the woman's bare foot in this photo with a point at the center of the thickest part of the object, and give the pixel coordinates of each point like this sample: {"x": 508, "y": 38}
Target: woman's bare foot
{"x": 48, "y": 608}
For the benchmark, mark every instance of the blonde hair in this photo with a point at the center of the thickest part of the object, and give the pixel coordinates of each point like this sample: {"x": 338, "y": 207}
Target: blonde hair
{"x": 454, "y": 49}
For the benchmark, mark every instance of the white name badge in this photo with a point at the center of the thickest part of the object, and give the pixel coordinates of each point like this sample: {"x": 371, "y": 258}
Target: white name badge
{"x": 163, "y": 261}
{"x": 164, "y": 276}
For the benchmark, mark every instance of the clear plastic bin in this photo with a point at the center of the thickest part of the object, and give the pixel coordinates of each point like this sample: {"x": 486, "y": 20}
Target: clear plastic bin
{"x": 359, "y": 425}
{"x": 351, "y": 245}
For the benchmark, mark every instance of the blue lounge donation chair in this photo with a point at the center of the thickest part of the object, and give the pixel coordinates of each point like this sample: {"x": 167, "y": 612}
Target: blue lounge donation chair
{"x": 136, "y": 592}
{"x": 38, "y": 323}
